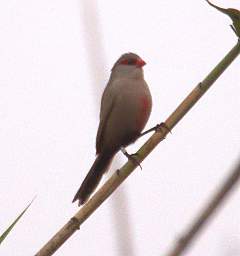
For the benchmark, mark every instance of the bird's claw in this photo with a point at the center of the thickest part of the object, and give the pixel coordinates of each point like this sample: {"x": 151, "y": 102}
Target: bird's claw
{"x": 159, "y": 127}
{"x": 131, "y": 157}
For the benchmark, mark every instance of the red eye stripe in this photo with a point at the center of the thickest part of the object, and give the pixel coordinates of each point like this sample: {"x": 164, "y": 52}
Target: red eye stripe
{"x": 124, "y": 62}
{"x": 133, "y": 62}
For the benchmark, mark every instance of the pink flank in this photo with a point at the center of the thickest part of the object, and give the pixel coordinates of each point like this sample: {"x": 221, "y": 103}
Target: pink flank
{"x": 144, "y": 112}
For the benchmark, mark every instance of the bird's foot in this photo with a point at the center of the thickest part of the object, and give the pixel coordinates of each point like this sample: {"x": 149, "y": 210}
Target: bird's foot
{"x": 161, "y": 126}
{"x": 157, "y": 128}
{"x": 131, "y": 157}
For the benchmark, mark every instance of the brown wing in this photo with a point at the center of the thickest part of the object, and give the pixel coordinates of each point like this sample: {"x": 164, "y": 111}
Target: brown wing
{"x": 106, "y": 109}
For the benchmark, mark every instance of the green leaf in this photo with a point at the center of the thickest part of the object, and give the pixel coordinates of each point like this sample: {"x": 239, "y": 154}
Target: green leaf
{"x": 6, "y": 232}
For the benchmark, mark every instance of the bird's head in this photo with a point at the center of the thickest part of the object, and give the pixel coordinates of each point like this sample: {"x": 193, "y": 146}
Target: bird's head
{"x": 129, "y": 64}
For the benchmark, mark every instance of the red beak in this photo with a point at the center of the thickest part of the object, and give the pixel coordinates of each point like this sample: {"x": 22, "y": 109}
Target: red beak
{"x": 140, "y": 63}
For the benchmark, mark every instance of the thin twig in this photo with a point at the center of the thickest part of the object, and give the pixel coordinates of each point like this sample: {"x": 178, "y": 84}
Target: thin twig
{"x": 204, "y": 216}
{"x": 119, "y": 176}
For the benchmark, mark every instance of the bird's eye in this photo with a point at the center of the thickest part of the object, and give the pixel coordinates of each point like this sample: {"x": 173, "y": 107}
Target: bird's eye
{"x": 128, "y": 62}
{"x": 131, "y": 62}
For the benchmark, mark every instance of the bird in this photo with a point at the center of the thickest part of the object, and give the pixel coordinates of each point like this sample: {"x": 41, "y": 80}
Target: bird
{"x": 126, "y": 105}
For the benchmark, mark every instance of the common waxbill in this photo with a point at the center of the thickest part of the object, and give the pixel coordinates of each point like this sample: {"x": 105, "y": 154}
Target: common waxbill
{"x": 125, "y": 108}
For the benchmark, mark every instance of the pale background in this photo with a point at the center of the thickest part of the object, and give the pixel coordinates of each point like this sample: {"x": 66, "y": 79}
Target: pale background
{"x": 55, "y": 59}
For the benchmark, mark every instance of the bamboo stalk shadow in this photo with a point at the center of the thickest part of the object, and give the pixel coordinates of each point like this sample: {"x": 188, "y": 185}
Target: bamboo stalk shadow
{"x": 97, "y": 62}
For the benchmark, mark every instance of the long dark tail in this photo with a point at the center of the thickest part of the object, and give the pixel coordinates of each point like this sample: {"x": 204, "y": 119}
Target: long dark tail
{"x": 93, "y": 178}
